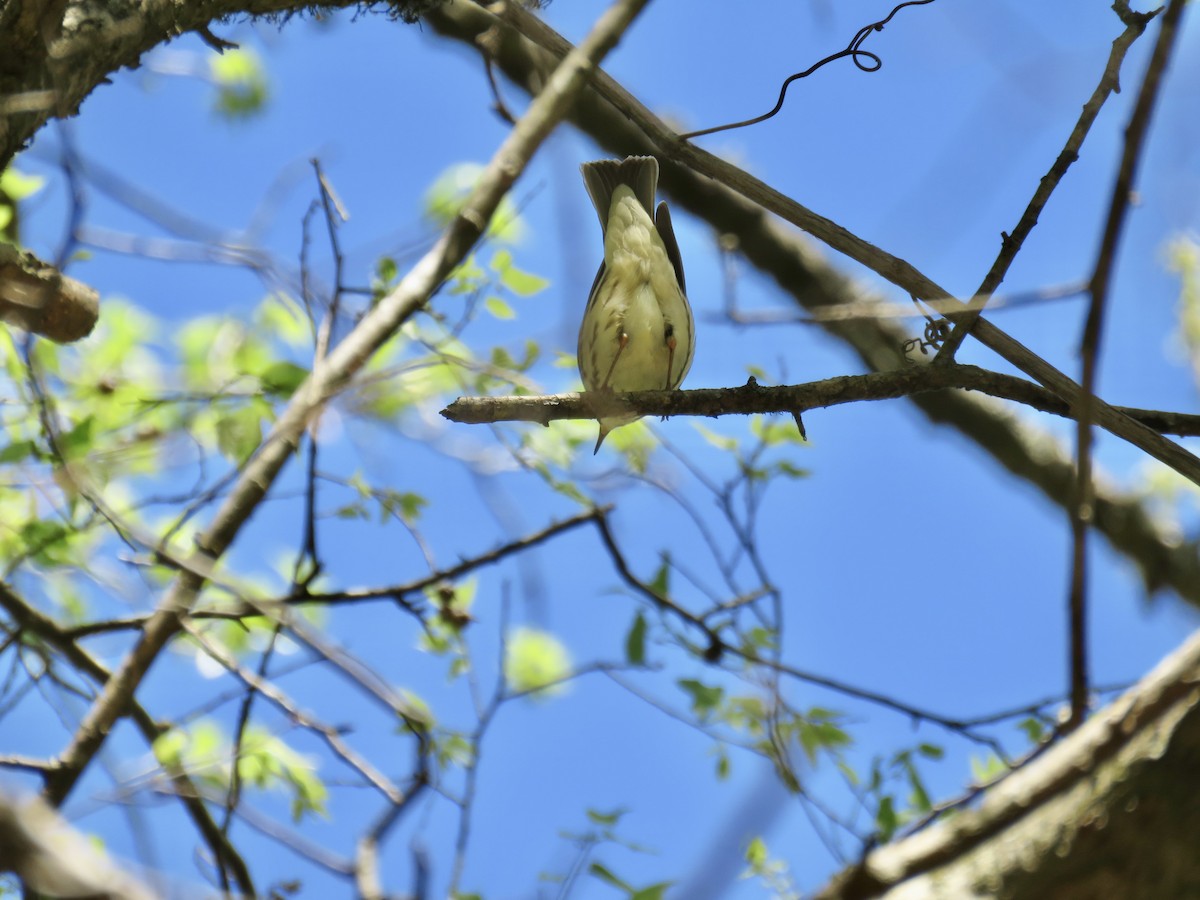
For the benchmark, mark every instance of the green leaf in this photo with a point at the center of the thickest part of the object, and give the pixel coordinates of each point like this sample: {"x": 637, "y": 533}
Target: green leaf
{"x": 168, "y": 747}
{"x": 499, "y": 308}
{"x": 18, "y": 186}
{"x": 653, "y": 892}
{"x": 386, "y": 270}
{"x": 705, "y": 699}
{"x": 1033, "y": 728}
{"x": 354, "y": 510}
{"x": 775, "y": 431}
{"x": 78, "y": 441}
{"x": 282, "y": 378}
{"x": 661, "y": 583}
{"x": 239, "y": 433}
{"x": 445, "y": 198}
{"x": 599, "y": 871}
{"x": 535, "y": 661}
{"x": 817, "y": 735}
{"x": 756, "y": 853}
{"x": 988, "y": 768}
{"x": 19, "y": 450}
{"x": 931, "y": 751}
{"x": 411, "y": 505}
{"x": 281, "y": 317}
{"x": 521, "y": 283}
{"x": 723, "y": 765}
{"x": 886, "y": 819}
{"x": 720, "y": 441}
{"x": 241, "y": 82}
{"x": 787, "y": 470}
{"x": 606, "y": 819}
{"x": 635, "y": 642}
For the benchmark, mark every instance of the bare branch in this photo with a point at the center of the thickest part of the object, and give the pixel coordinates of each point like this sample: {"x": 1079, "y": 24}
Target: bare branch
{"x": 1089, "y": 349}
{"x": 755, "y": 398}
{"x": 1012, "y": 243}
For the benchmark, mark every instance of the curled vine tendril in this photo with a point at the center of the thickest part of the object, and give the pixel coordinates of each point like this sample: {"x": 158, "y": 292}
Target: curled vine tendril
{"x": 936, "y": 331}
{"x": 864, "y": 59}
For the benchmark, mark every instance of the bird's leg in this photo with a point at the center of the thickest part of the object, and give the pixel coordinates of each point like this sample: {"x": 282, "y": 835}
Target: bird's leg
{"x": 622, "y": 340}
{"x": 669, "y": 337}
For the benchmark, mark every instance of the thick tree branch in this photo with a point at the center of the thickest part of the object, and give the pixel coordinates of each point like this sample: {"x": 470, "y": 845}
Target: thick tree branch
{"x": 338, "y": 369}
{"x": 54, "y": 53}
{"x": 1111, "y": 792}
{"x": 53, "y": 859}
{"x": 794, "y": 398}
{"x": 38, "y": 298}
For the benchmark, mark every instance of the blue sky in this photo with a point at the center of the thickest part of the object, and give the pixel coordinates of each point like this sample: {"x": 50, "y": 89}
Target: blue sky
{"x": 909, "y": 564}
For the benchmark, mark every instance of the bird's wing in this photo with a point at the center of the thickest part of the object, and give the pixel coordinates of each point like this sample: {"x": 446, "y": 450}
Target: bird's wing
{"x": 662, "y": 221}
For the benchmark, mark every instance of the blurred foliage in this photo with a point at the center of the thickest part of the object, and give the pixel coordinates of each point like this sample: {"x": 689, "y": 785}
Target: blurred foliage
{"x": 241, "y": 82}
{"x": 536, "y": 662}
{"x": 770, "y": 871}
{"x": 264, "y": 762}
{"x": 15, "y": 187}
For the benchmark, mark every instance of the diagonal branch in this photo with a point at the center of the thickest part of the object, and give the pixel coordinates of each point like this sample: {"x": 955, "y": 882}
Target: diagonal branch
{"x": 411, "y": 295}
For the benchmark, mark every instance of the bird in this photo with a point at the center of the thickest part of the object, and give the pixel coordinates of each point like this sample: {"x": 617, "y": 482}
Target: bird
{"x": 637, "y": 332}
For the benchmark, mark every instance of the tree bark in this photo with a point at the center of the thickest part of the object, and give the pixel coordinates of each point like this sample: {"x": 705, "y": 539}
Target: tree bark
{"x": 1109, "y": 813}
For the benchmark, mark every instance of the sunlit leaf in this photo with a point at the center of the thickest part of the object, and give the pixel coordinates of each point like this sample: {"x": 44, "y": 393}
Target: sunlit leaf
{"x": 536, "y": 661}
{"x": 241, "y": 82}
{"x": 499, "y": 308}
{"x": 756, "y": 853}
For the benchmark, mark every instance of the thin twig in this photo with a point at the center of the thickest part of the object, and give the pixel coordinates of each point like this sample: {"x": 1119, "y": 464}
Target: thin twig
{"x": 853, "y": 50}
{"x": 1081, "y": 513}
{"x": 1011, "y": 243}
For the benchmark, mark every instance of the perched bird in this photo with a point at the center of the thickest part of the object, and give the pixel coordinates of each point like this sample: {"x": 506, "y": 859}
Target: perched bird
{"x": 637, "y": 332}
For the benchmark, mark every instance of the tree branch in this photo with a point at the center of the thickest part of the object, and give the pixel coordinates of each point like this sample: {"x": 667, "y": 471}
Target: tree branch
{"x": 1089, "y": 347}
{"x": 1110, "y": 791}
{"x": 38, "y": 298}
{"x": 795, "y": 398}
